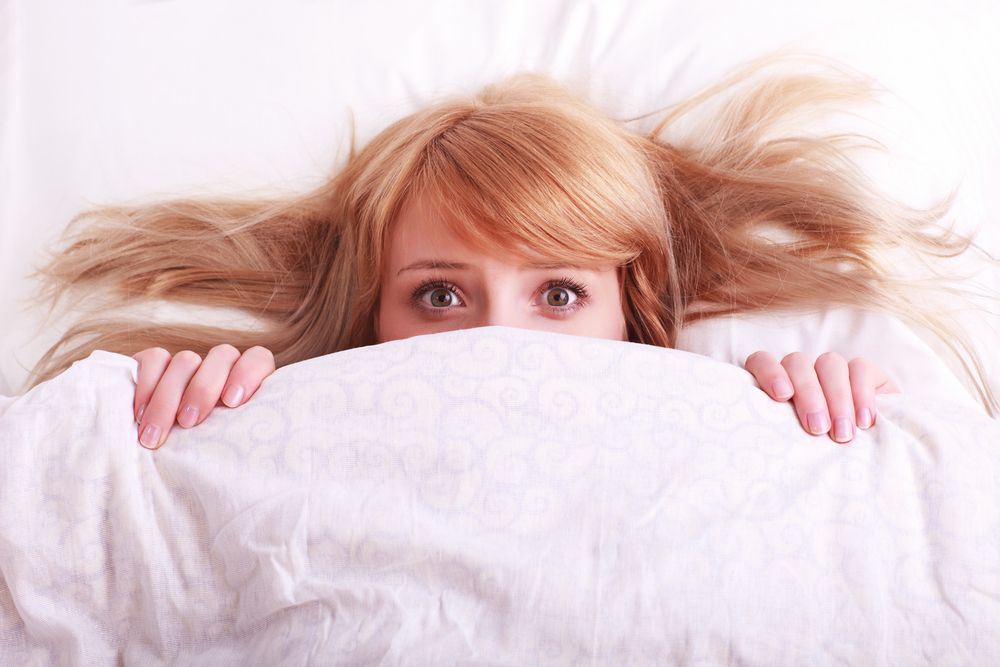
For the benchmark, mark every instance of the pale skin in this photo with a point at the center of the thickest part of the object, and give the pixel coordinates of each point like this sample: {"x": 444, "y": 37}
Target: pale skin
{"x": 435, "y": 282}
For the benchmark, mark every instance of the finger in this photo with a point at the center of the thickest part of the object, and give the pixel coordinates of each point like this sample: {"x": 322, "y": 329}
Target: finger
{"x": 248, "y": 373}
{"x": 810, "y": 404}
{"x": 831, "y": 369}
{"x": 203, "y": 391}
{"x": 770, "y": 375}
{"x": 162, "y": 408}
{"x": 868, "y": 380}
{"x": 152, "y": 363}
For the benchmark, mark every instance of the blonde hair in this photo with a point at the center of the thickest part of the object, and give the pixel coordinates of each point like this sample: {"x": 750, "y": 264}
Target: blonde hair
{"x": 746, "y": 214}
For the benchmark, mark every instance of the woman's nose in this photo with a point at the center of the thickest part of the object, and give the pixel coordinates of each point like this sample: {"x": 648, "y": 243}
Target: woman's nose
{"x": 502, "y": 316}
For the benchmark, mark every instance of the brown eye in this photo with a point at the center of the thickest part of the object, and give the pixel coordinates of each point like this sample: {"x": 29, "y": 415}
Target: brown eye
{"x": 441, "y": 297}
{"x": 438, "y": 297}
{"x": 559, "y": 297}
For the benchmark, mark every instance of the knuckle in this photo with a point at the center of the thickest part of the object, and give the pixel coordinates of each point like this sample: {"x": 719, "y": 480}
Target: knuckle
{"x": 795, "y": 358}
{"x": 226, "y": 349}
{"x": 151, "y": 353}
{"x": 829, "y": 359}
{"x": 262, "y": 352}
{"x": 857, "y": 363}
{"x": 188, "y": 357}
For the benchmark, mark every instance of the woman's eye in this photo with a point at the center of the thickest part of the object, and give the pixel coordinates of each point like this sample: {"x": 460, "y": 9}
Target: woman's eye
{"x": 436, "y": 297}
{"x": 559, "y": 297}
{"x": 440, "y": 297}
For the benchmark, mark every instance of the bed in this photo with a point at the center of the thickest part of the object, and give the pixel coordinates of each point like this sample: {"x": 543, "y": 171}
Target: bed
{"x": 681, "y": 517}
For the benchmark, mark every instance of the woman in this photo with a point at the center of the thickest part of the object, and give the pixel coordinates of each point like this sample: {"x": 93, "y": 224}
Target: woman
{"x": 523, "y": 206}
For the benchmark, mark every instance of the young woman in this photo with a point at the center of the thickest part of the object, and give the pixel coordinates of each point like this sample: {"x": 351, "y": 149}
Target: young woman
{"x": 523, "y": 206}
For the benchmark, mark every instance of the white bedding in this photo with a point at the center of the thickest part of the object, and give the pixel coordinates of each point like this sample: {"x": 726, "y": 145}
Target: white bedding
{"x": 108, "y": 101}
{"x": 492, "y": 497}
{"x": 495, "y": 496}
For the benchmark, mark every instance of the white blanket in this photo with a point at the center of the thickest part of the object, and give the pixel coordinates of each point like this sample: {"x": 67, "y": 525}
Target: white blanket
{"x": 501, "y": 497}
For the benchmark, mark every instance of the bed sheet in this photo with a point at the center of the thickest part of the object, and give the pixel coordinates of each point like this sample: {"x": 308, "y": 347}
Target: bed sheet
{"x": 534, "y": 499}
{"x": 111, "y": 101}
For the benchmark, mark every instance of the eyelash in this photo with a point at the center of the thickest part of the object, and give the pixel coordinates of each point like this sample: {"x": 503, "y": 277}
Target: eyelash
{"x": 582, "y": 295}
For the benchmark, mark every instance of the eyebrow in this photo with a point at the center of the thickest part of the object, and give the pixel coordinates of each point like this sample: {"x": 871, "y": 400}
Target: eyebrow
{"x": 459, "y": 266}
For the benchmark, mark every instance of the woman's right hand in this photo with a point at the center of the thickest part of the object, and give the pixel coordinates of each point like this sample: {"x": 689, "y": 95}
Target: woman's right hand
{"x": 185, "y": 388}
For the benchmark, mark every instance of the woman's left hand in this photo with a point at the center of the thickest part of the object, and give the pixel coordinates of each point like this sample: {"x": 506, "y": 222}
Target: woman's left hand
{"x": 831, "y": 395}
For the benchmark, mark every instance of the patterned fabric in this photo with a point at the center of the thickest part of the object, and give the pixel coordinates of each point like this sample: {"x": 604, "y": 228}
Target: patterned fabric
{"x": 495, "y": 496}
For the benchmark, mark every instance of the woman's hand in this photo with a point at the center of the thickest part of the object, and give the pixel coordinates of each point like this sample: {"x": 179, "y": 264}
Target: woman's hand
{"x": 186, "y": 388}
{"x": 830, "y": 393}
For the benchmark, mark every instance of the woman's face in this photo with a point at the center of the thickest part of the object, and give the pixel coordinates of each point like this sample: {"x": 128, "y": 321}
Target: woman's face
{"x": 435, "y": 282}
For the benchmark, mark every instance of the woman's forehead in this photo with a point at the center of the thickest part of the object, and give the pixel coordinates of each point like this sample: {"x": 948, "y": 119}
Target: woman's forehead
{"x": 418, "y": 244}
{"x": 423, "y": 230}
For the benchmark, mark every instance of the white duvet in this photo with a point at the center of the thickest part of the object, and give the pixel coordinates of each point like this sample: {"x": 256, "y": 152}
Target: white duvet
{"x": 500, "y": 497}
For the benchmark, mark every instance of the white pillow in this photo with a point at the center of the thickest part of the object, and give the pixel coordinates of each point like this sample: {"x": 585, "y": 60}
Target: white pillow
{"x": 495, "y": 496}
{"x": 104, "y": 101}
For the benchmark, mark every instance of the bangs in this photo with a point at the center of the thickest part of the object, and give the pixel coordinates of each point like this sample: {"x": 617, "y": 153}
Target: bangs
{"x": 541, "y": 186}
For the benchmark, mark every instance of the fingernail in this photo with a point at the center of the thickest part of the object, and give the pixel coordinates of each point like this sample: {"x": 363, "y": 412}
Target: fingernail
{"x": 150, "y": 436}
{"x": 864, "y": 418}
{"x": 781, "y": 389}
{"x": 188, "y": 417}
{"x": 233, "y": 396}
{"x": 818, "y": 422}
{"x": 138, "y": 417}
{"x": 842, "y": 431}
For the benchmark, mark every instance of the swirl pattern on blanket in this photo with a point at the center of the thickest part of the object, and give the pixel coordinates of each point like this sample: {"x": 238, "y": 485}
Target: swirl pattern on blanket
{"x": 494, "y": 496}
